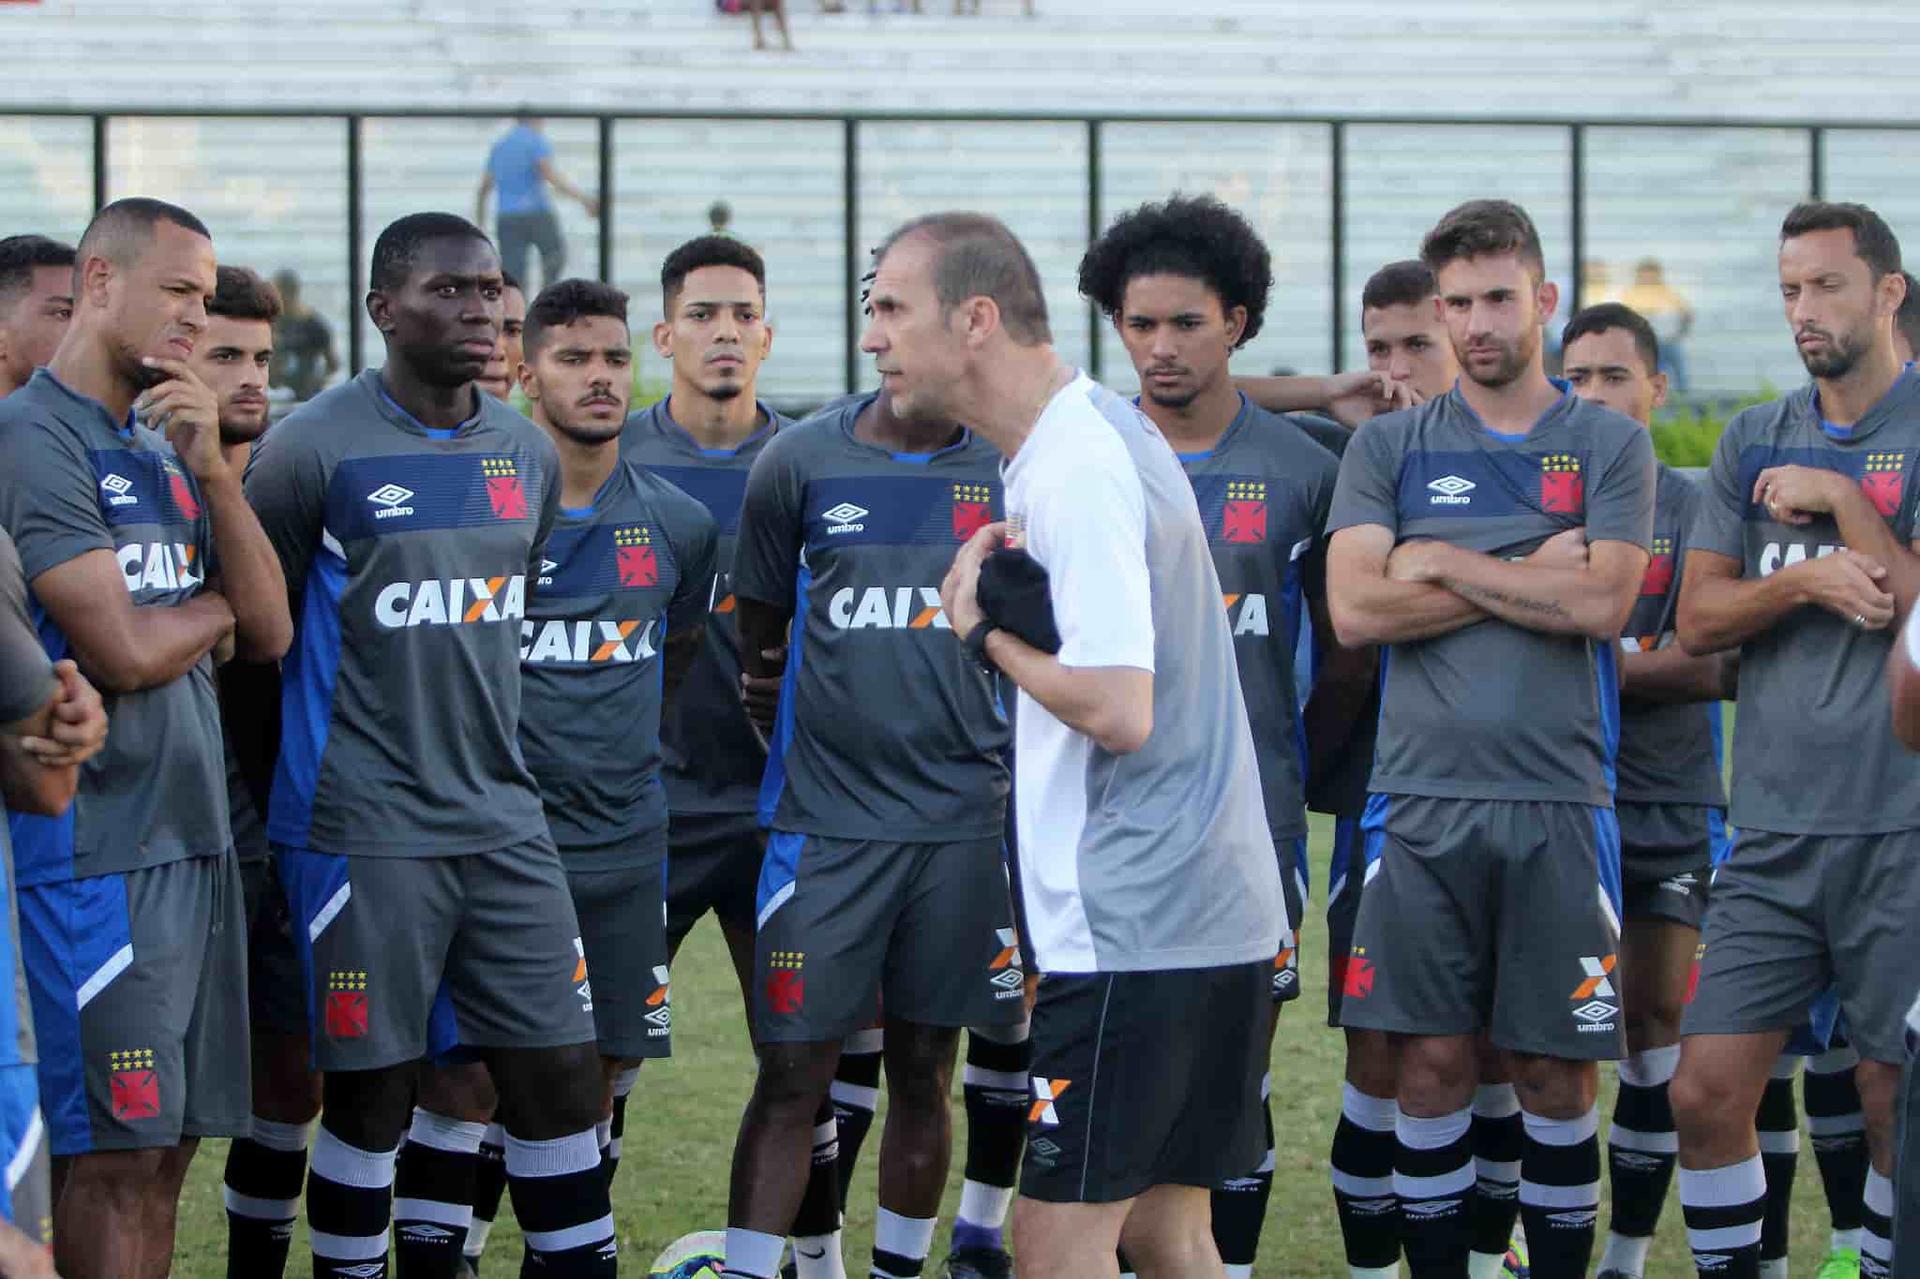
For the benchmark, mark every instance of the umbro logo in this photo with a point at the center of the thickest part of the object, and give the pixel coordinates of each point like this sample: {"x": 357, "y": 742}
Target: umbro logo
{"x": 117, "y": 487}
{"x": 1450, "y": 490}
{"x": 390, "y": 500}
{"x": 365, "y": 1270}
{"x": 844, "y": 517}
{"x": 546, "y": 572}
{"x": 426, "y": 1233}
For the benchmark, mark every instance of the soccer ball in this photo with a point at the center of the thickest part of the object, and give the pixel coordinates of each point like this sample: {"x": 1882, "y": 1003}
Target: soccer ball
{"x": 695, "y": 1256}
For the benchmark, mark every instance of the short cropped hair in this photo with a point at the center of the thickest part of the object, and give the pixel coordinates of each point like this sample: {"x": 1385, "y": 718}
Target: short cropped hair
{"x": 1907, "y": 318}
{"x": 566, "y": 301}
{"x": 20, "y": 257}
{"x": 709, "y": 250}
{"x": 1407, "y": 283}
{"x": 119, "y": 231}
{"x": 240, "y": 294}
{"x": 1604, "y": 317}
{"x": 394, "y": 252}
{"x": 1873, "y": 239}
{"x": 1481, "y": 228}
{"x": 975, "y": 255}
{"x": 1196, "y": 237}
{"x": 508, "y": 280}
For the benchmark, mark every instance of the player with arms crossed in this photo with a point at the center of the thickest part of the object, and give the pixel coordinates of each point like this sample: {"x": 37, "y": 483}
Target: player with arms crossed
{"x": 1491, "y": 904}
{"x": 145, "y": 562}
{"x": 410, "y": 509}
{"x": 1185, "y": 285}
{"x": 1802, "y": 557}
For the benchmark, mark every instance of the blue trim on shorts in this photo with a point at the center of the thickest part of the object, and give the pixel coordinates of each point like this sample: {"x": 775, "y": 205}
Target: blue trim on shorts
{"x": 69, "y": 933}
{"x": 306, "y": 702}
{"x": 1719, "y": 836}
{"x": 1606, "y": 855}
{"x": 19, "y": 1104}
{"x": 310, "y": 880}
{"x": 779, "y": 872}
{"x": 1815, "y": 1035}
{"x": 773, "y": 782}
{"x": 443, "y": 1032}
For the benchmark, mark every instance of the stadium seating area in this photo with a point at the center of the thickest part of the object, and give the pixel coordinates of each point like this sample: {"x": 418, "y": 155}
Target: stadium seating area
{"x": 1705, "y": 203}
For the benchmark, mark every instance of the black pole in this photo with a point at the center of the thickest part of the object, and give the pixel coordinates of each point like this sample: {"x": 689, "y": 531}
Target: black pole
{"x": 1577, "y": 198}
{"x": 1817, "y": 163}
{"x": 1094, "y": 220}
{"x": 99, "y": 163}
{"x": 606, "y": 198}
{"x": 1338, "y": 145}
{"x": 355, "y": 286}
{"x": 850, "y": 245}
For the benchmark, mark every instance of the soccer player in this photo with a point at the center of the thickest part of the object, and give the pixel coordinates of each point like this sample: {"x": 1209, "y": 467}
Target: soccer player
{"x": 1185, "y": 285}
{"x": 410, "y": 510}
{"x": 885, "y": 795}
{"x": 1801, "y": 559}
{"x": 264, "y": 1168}
{"x": 617, "y": 615}
{"x": 1491, "y": 900}
{"x": 145, "y": 561}
{"x": 36, "y": 302}
{"x": 1148, "y": 878}
{"x": 503, "y": 367}
{"x": 51, "y": 722}
{"x": 1906, "y": 322}
{"x": 1668, "y": 799}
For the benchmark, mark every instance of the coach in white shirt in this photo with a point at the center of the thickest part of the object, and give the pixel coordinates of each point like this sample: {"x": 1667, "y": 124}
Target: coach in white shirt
{"x": 1150, "y": 888}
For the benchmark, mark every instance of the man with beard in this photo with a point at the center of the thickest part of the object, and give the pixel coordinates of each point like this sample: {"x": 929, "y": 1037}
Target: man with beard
{"x": 1492, "y": 850}
{"x": 616, "y": 615}
{"x": 1906, "y": 324}
{"x": 145, "y": 561}
{"x": 264, "y": 1168}
{"x": 410, "y": 509}
{"x": 1802, "y": 559}
{"x": 36, "y": 302}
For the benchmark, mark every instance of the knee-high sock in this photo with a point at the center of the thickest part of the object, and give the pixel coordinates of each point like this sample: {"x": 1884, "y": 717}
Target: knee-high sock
{"x": 1240, "y": 1204}
{"x": 560, "y": 1196}
{"x": 262, "y": 1191}
{"x": 1724, "y": 1207}
{"x": 1642, "y": 1147}
{"x": 1839, "y": 1133}
{"x": 1777, "y": 1124}
{"x": 1362, "y": 1165}
{"x": 816, "y": 1227}
{"x": 1876, "y": 1234}
{"x": 1433, "y": 1177}
{"x": 1560, "y": 1193}
{"x": 349, "y": 1197}
{"x": 489, "y": 1185}
{"x": 855, "y": 1093}
{"x": 623, "y": 1085}
{"x": 995, "y": 1088}
{"x": 433, "y": 1194}
{"x": 900, "y": 1245}
{"x": 1499, "y": 1139}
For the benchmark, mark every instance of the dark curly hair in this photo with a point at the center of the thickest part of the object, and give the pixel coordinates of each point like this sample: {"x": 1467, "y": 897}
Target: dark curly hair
{"x": 1193, "y": 236}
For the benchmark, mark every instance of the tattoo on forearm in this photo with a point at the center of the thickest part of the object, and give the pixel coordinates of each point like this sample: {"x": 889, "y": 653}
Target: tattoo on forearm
{"x": 1545, "y": 608}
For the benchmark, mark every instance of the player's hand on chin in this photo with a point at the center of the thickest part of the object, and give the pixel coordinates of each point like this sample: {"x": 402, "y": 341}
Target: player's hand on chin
{"x": 960, "y": 591}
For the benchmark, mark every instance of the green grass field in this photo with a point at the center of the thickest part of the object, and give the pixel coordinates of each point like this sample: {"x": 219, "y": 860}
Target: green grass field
{"x": 682, "y": 1120}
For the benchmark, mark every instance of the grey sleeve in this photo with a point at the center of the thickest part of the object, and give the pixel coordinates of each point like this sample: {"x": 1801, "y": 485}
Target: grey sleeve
{"x": 696, "y": 540}
{"x": 1313, "y": 571}
{"x": 766, "y": 552}
{"x": 548, "y": 512}
{"x": 1368, "y": 491}
{"x": 1720, "y": 526}
{"x": 26, "y": 676}
{"x": 1620, "y": 500}
{"x": 287, "y": 486}
{"x": 48, "y": 503}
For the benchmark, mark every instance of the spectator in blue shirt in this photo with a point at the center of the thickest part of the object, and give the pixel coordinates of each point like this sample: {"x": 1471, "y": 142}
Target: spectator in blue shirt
{"x": 520, "y": 167}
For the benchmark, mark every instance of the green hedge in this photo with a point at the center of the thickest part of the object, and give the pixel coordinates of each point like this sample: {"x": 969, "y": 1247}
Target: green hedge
{"x": 1685, "y": 434}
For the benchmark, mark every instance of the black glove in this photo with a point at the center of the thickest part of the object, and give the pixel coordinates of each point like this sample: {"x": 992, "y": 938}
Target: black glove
{"x": 1013, "y": 593}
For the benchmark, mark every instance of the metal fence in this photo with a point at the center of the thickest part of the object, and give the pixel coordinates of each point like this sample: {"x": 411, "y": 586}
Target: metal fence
{"x": 1699, "y": 199}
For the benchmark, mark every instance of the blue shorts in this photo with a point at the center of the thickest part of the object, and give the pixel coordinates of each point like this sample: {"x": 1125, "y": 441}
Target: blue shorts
{"x": 26, "y": 1197}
